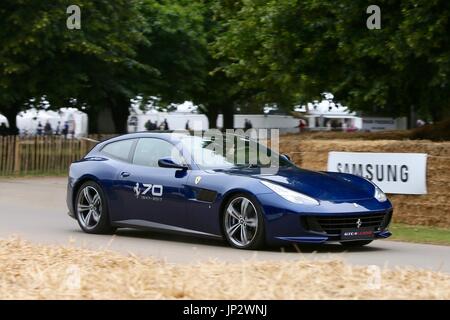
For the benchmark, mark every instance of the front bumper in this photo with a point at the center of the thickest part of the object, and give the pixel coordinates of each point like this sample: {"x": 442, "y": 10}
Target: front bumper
{"x": 313, "y": 228}
{"x": 327, "y": 222}
{"x": 322, "y": 239}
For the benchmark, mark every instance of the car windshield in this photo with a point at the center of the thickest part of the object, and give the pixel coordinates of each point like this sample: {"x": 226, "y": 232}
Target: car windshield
{"x": 231, "y": 151}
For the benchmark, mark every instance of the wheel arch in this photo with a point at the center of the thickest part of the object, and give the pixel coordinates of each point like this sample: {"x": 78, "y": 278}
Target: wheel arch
{"x": 228, "y": 195}
{"x": 79, "y": 183}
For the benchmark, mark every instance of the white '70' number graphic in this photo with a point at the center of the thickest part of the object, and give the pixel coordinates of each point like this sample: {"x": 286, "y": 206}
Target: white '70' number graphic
{"x": 156, "y": 189}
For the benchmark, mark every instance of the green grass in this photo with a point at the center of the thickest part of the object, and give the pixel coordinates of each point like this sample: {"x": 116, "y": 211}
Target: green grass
{"x": 420, "y": 234}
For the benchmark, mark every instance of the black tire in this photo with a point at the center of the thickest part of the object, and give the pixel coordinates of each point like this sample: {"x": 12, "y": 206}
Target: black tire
{"x": 356, "y": 244}
{"x": 257, "y": 236}
{"x": 103, "y": 225}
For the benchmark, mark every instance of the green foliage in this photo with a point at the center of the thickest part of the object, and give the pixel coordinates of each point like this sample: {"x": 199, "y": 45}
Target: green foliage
{"x": 123, "y": 48}
{"x": 177, "y": 49}
{"x": 292, "y": 50}
{"x": 272, "y": 45}
{"x": 39, "y": 55}
{"x": 224, "y": 54}
{"x": 38, "y": 49}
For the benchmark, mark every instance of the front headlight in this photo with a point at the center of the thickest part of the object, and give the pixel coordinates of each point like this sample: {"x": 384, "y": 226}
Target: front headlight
{"x": 290, "y": 195}
{"x": 380, "y": 195}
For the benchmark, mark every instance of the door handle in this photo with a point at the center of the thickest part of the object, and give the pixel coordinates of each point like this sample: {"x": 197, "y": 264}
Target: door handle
{"x": 125, "y": 174}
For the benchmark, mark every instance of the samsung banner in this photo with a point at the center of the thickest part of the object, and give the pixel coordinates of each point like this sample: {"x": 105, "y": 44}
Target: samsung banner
{"x": 402, "y": 173}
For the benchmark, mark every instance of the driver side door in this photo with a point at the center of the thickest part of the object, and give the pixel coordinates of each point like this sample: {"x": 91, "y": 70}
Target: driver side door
{"x": 154, "y": 194}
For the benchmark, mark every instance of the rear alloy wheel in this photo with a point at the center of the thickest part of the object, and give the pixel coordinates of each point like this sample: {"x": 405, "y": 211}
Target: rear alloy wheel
{"x": 356, "y": 244}
{"x": 91, "y": 209}
{"x": 243, "y": 223}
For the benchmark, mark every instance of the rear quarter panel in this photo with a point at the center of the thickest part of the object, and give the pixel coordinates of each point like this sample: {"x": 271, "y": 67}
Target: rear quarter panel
{"x": 102, "y": 171}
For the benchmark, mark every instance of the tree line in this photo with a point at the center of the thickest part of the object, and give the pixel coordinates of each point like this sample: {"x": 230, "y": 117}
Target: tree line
{"x": 225, "y": 55}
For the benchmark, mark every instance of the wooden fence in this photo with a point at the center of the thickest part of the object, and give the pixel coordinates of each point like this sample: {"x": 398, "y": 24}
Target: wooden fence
{"x": 41, "y": 155}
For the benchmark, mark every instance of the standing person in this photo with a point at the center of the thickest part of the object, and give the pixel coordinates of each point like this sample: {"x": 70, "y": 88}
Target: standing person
{"x": 246, "y": 125}
{"x": 65, "y": 129}
{"x": 58, "y": 128}
{"x": 39, "y": 129}
{"x": 165, "y": 125}
{"x": 187, "y": 127}
{"x": 71, "y": 128}
{"x": 48, "y": 131}
{"x": 301, "y": 125}
{"x": 3, "y": 129}
{"x": 149, "y": 125}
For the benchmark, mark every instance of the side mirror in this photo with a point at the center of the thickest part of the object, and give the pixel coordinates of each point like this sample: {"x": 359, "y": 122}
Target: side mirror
{"x": 169, "y": 163}
{"x": 287, "y": 157}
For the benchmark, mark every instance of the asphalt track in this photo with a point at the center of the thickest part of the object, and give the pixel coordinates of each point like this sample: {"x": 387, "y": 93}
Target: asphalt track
{"x": 35, "y": 210}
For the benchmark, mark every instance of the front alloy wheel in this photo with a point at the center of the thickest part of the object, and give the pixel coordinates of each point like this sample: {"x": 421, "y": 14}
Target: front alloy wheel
{"x": 243, "y": 223}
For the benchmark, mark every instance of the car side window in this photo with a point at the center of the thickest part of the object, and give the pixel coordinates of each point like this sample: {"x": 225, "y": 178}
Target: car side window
{"x": 120, "y": 149}
{"x": 150, "y": 150}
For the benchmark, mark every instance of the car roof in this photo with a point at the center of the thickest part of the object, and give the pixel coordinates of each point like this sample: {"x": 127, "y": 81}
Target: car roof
{"x": 168, "y": 135}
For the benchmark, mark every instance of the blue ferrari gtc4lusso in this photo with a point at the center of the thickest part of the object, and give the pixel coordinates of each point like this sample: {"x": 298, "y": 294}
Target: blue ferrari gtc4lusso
{"x": 179, "y": 182}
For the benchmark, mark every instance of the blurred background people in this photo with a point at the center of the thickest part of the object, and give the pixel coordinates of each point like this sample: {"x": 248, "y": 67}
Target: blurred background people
{"x": 65, "y": 129}
{"x": 3, "y": 129}
{"x": 39, "y": 129}
{"x": 164, "y": 125}
{"x": 247, "y": 124}
{"x": 58, "y": 128}
{"x": 48, "y": 131}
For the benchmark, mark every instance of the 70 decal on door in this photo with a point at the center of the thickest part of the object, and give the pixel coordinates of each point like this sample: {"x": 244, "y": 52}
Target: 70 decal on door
{"x": 156, "y": 190}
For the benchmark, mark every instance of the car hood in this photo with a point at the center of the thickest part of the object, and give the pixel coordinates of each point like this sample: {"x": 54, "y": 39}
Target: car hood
{"x": 319, "y": 185}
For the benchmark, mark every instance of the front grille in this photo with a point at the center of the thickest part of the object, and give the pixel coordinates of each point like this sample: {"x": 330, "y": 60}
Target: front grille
{"x": 333, "y": 225}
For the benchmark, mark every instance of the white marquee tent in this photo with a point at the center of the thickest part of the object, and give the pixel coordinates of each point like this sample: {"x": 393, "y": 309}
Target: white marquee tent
{"x": 4, "y": 120}
{"x": 320, "y": 113}
{"x": 76, "y": 118}
{"x": 77, "y": 121}
{"x": 187, "y": 111}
